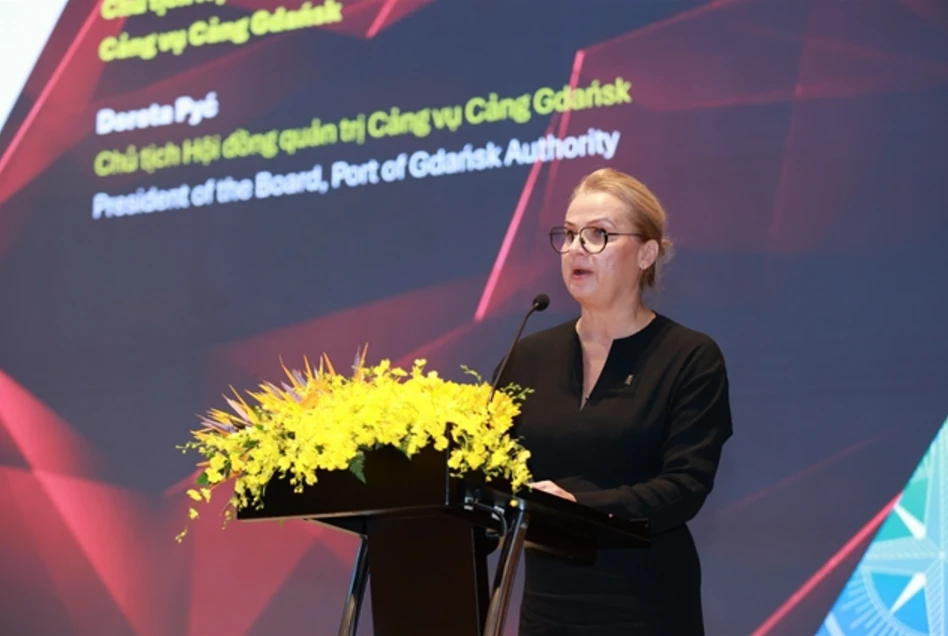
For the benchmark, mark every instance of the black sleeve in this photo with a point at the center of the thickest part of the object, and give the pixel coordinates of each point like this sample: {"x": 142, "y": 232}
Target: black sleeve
{"x": 699, "y": 424}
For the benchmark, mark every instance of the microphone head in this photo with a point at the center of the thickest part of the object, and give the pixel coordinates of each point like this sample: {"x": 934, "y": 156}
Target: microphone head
{"x": 541, "y": 302}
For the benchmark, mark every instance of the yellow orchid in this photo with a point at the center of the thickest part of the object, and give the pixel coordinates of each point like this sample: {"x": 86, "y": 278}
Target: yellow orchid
{"x": 321, "y": 420}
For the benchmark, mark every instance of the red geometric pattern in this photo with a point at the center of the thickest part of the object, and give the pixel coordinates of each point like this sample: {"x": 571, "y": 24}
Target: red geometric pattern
{"x": 109, "y": 555}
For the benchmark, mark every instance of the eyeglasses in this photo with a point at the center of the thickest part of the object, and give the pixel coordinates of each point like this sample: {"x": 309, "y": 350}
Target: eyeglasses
{"x": 593, "y": 239}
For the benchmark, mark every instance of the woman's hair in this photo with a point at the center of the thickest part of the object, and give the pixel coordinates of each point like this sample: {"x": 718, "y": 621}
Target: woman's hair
{"x": 647, "y": 212}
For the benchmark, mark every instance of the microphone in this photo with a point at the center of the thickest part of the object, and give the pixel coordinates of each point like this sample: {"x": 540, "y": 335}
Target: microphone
{"x": 540, "y": 303}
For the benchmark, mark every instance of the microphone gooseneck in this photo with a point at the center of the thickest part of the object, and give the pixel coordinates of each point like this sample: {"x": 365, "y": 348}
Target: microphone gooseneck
{"x": 540, "y": 303}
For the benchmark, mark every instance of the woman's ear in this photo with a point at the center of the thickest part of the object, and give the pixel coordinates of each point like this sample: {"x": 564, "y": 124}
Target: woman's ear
{"x": 648, "y": 254}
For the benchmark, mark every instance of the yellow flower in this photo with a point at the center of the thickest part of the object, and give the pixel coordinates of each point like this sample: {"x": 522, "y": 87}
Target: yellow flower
{"x": 320, "y": 421}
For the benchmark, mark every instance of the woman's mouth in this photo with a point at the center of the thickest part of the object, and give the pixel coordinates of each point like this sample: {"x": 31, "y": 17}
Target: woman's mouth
{"x": 580, "y": 273}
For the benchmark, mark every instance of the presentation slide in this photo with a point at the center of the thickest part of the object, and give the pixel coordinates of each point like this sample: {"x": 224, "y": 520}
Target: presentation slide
{"x": 194, "y": 193}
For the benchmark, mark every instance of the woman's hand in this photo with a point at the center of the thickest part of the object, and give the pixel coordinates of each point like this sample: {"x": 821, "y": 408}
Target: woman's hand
{"x": 553, "y": 489}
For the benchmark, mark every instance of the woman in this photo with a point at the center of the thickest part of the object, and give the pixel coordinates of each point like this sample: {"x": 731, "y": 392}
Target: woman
{"x": 629, "y": 413}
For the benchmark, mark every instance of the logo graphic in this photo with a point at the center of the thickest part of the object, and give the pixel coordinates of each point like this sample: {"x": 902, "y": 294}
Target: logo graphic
{"x": 898, "y": 588}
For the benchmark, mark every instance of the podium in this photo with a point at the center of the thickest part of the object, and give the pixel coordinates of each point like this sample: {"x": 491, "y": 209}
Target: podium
{"x": 425, "y": 538}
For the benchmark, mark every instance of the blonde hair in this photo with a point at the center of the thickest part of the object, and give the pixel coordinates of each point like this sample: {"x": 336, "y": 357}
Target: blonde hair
{"x": 647, "y": 212}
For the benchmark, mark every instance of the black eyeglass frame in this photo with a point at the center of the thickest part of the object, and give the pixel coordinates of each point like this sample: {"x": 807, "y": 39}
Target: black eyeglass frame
{"x": 563, "y": 231}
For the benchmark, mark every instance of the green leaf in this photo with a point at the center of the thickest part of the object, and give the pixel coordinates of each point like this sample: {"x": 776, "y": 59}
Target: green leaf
{"x": 202, "y": 479}
{"x": 357, "y": 466}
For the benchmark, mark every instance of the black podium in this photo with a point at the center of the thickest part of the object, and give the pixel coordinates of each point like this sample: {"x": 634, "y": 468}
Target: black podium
{"x": 426, "y": 537}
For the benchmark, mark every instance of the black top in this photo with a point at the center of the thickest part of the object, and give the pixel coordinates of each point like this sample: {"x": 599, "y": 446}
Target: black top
{"x": 646, "y": 444}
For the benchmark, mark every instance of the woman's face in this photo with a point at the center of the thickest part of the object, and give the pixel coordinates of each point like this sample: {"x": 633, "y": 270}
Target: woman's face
{"x": 599, "y": 280}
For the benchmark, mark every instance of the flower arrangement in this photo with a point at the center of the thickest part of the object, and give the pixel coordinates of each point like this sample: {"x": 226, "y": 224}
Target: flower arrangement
{"x": 323, "y": 420}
